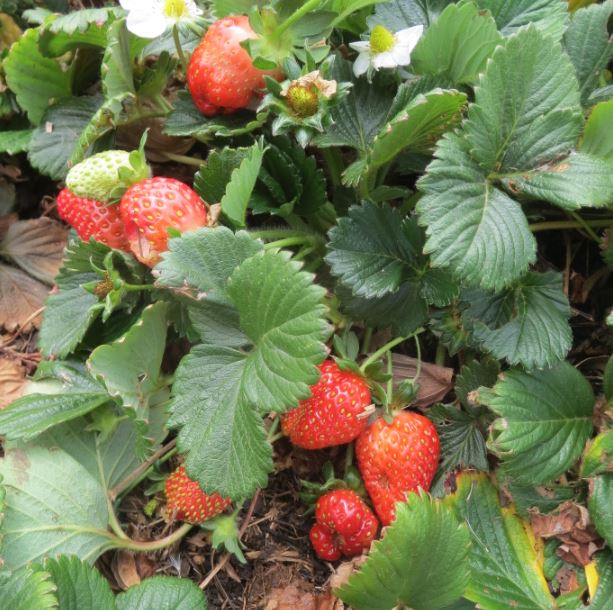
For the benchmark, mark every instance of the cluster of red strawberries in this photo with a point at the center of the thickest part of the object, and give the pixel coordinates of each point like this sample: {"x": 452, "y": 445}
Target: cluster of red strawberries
{"x": 394, "y": 458}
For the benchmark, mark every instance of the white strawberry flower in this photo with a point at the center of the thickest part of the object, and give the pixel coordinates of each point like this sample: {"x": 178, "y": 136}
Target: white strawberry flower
{"x": 151, "y": 18}
{"x": 385, "y": 49}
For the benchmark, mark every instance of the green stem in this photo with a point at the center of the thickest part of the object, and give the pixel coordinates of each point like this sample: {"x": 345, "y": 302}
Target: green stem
{"x": 441, "y": 354}
{"x": 273, "y": 428}
{"x": 348, "y": 459}
{"x": 114, "y": 523}
{"x": 367, "y": 339}
{"x": 334, "y": 163}
{"x": 390, "y": 381}
{"x": 288, "y": 241}
{"x": 137, "y": 287}
{"x": 155, "y": 545}
{"x": 183, "y": 159}
{"x": 307, "y": 237}
{"x": 386, "y": 348}
{"x": 307, "y": 7}
{"x": 418, "y": 350}
{"x": 175, "y": 37}
{"x": 553, "y": 225}
{"x": 586, "y": 226}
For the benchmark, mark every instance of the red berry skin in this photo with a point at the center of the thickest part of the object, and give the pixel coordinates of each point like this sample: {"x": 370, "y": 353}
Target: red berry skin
{"x": 334, "y": 414}
{"x": 188, "y": 502}
{"x": 344, "y": 525}
{"x": 150, "y": 207}
{"x": 91, "y": 218}
{"x": 398, "y": 458}
{"x": 221, "y": 76}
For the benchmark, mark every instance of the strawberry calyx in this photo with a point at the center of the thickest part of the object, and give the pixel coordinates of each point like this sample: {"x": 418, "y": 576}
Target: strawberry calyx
{"x": 312, "y": 491}
{"x": 225, "y": 532}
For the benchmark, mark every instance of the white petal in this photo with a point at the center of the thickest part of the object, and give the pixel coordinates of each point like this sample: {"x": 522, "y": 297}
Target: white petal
{"x": 192, "y": 8}
{"x": 130, "y": 5}
{"x": 361, "y": 64}
{"x": 146, "y": 25}
{"x": 384, "y": 60}
{"x": 361, "y": 46}
{"x": 401, "y": 55}
{"x": 409, "y": 37}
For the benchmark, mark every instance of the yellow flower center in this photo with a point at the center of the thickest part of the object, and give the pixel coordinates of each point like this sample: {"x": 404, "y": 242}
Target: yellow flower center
{"x": 175, "y": 9}
{"x": 381, "y": 40}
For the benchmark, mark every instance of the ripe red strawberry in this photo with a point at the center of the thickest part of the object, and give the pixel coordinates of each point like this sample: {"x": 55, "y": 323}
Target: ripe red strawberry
{"x": 397, "y": 458}
{"x": 336, "y": 413}
{"x": 150, "y": 207}
{"x": 344, "y": 525}
{"x": 91, "y": 218}
{"x": 221, "y": 76}
{"x": 188, "y": 502}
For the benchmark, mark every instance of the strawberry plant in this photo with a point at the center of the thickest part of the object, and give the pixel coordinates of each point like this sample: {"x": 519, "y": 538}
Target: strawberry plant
{"x": 277, "y": 274}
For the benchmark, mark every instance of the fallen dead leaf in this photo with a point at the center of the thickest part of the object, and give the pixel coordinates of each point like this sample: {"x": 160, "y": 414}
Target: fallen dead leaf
{"x": 124, "y": 569}
{"x": 572, "y": 526}
{"x": 345, "y": 570}
{"x": 296, "y": 596}
{"x": 567, "y": 578}
{"x": 21, "y": 296}
{"x": 434, "y": 381}
{"x": 37, "y": 246}
{"x": 6, "y": 222}
{"x": 12, "y": 381}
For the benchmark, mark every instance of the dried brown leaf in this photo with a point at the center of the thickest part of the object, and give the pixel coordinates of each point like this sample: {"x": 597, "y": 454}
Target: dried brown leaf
{"x": 567, "y": 578}
{"x": 37, "y": 246}
{"x": 124, "y": 569}
{"x": 12, "y": 381}
{"x": 572, "y": 526}
{"x": 434, "y": 381}
{"x": 345, "y": 570}
{"x": 21, "y": 297}
{"x": 297, "y": 596}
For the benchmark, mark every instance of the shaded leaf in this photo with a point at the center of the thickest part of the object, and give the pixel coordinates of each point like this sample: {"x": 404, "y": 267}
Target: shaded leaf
{"x": 600, "y": 504}
{"x": 546, "y": 419}
{"x": 598, "y": 457}
{"x": 13, "y": 142}
{"x": 213, "y": 176}
{"x": 526, "y": 324}
{"x": 597, "y": 137}
{"x": 399, "y": 567}
{"x": 37, "y": 246}
{"x": 398, "y": 14}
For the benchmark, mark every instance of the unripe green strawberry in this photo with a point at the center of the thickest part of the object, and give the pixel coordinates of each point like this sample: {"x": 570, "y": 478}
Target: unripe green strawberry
{"x": 107, "y": 175}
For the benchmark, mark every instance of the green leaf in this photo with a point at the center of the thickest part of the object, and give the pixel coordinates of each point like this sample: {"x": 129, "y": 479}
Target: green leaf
{"x": 589, "y": 45}
{"x": 52, "y": 506}
{"x": 545, "y": 421}
{"x": 398, "y": 14}
{"x": 116, "y": 70}
{"x": 549, "y": 16}
{"x": 457, "y": 45}
{"x": 72, "y": 310}
{"x": 213, "y": 176}
{"x": 79, "y": 586}
{"x": 36, "y": 80}
{"x": 418, "y": 126}
{"x": 27, "y": 590}
{"x": 404, "y": 310}
{"x": 13, "y": 142}
{"x": 242, "y": 181}
{"x": 607, "y": 380}
{"x": 474, "y": 375}
{"x": 130, "y": 367}
{"x": 358, "y": 118}
{"x": 506, "y": 571}
{"x": 600, "y": 504}
{"x": 462, "y": 443}
{"x": 28, "y": 416}
{"x": 399, "y": 569}
{"x": 186, "y": 120}
{"x": 53, "y": 141}
{"x": 604, "y": 592}
{"x": 597, "y": 137}
{"x": 219, "y": 393}
{"x": 526, "y": 497}
{"x": 526, "y": 109}
{"x": 162, "y": 592}
{"x": 598, "y": 457}
{"x": 371, "y": 250}
{"x": 526, "y": 324}
{"x": 474, "y": 229}
{"x": 580, "y": 180}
